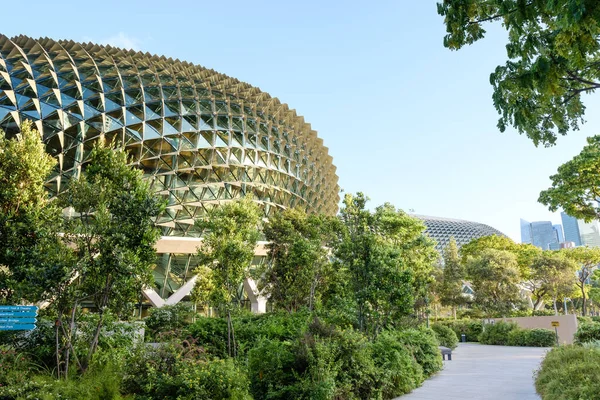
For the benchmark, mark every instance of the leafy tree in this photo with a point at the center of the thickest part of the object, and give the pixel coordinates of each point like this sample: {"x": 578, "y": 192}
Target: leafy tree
{"x": 525, "y": 253}
{"x": 552, "y": 276}
{"x": 32, "y": 257}
{"x": 494, "y": 275}
{"x": 553, "y": 58}
{"x": 452, "y": 278}
{"x": 111, "y": 226}
{"x": 228, "y": 249}
{"x": 299, "y": 261}
{"x": 388, "y": 262}
{"x": 576, "y": 186}
{"x": 587, "y": 259}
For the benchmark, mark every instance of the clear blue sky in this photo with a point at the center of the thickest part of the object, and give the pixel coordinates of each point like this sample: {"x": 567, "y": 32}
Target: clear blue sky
{"x": 406, "y": 120}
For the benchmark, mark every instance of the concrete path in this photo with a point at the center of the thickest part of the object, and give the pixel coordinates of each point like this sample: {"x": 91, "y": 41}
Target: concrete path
{"x": 482, "y": 372}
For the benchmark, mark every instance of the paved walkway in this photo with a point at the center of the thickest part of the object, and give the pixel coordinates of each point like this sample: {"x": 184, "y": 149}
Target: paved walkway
{"x": 482, "y": 372}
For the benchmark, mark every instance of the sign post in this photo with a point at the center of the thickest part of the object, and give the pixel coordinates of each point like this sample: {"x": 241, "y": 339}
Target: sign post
{"x": 556, "y": 324}
{"x": 18, "y": 318}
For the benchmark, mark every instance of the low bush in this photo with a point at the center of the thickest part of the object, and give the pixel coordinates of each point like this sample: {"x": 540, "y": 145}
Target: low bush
{"x": 423, "y": 346}
{"x": 181, "y": 370}
{"x": 446, "y": 336}
{"x": 569, "y": 373}
{"x": 498, "y": 333}
{"x": 469, "y": 327}
{"x": 532, "y": 338}
{"x": 587, "y": 332}
{"x": 171, "y": 318}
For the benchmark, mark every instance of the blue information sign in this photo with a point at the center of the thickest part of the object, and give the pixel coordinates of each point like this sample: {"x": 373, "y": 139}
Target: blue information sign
{"x": 18, "y": 308}
{"x": 17, "y": 314}
{"x": 17, "y": 318}
{"x": 16, "y": 327}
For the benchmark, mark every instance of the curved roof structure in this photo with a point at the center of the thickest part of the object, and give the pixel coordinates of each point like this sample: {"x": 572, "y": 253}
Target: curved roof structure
{"x": 200, "y": 137}
{"x": 442, "y": 229}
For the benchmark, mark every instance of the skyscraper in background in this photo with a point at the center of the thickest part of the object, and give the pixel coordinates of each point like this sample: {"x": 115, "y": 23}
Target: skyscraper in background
{"x": 558, "y": 229}
{"x": 590, "y": 233}
{"x": 543, "y": 235}
{"x": 571, "y": 229}
{"x": 525, "y": 231}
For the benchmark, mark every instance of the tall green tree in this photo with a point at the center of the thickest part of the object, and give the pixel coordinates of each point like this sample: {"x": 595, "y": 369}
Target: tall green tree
{"x": 553, "y": 56}
{"x": 525, "y": 253}
{"x": 388, "y": 261}
{"x": 452, "y": 278}
{"x": 33, "y": 259}
{"x": 495, "y": 279}
{"x": 552, "y": 277}
{"x": 228, "y": 249}
{"x": 111, "y": 226}
{"x": 576, "y": 186}
{"x": 299, "y": 262}
{"x": 587, "y": 260}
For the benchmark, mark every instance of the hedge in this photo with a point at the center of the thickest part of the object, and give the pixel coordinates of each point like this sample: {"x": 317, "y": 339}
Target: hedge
{"x": 569, "y": 373}
{"x": 509, "y": 334}
{"x": 446, "y": 336}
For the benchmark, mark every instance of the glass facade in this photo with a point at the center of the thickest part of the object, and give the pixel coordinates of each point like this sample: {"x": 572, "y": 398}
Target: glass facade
{"x": 199, "y": 136}
{"x": 442, "y": 229}
{"x": 571, "y": 229}
{"x": 543, "y": 235}
{"x": 525, "y": 231}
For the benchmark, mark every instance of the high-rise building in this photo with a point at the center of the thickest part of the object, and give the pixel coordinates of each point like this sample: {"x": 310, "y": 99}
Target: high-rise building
{"x": 525, "y": 231}
{"x": 571, "y": 229}
{"x": 543, "y": 235}
{"x": 558, "y": 229}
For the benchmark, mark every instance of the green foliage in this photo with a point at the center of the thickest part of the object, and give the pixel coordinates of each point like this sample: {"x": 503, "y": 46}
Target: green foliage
{"x": 210, "y": 333}
{"x": 228, "y": 249}
{"x": 532, "y": 338}
{"x": 271, "y": 368}
{"x": 495, "y": 277}
{"x": 586, "y": 258}
{"x": 386, "y": 260}
{"x": 446, "y": 336}
{"x": 581, "y": 367}
{"x": 450, "y": 288}
{"x": 170, "y": 318}
{"x": 587, "y": 332}
{"x": 33, "y": 260}
{"x": 498, "y": 333}
{"x": 299, "y": 266}
{"x": 179, "y": 370}
{"x": 552, "y": 276}
{"x": 470, "y": 328}
{"x": 423, "y": 345}
{"x": 552, "y": 55}
{"x": 509, "y": 334}
{"x": 576, "y": 184}
{"x": 398, "y": 372}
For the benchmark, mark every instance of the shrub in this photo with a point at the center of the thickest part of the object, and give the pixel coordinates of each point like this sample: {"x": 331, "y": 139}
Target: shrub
{"x": 497, "y": 333}
{"x": 181, "y": 370}
{"x": 271, "y": 368}
{"x": 587, "y": 332}
{"x": 398, "y": 372}
{"x": 446, "y": 336}
{"x": 569, "y": 373}
{"x": 167, "y": 318}
{"x": 210, "y": 333}
{"x": 532, "y": 337}
{"x": 470, "y": 328}
{"x": 423, "y": 346}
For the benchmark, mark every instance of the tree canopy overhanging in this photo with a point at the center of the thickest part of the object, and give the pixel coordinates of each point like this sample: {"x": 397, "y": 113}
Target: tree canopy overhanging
{"x": 553, "y": 59}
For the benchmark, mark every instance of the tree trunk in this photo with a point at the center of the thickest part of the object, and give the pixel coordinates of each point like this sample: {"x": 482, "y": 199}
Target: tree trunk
{"x": 555, "y": 307}
{"x": 454, "y": 312}
{"x": 583, "y": 309}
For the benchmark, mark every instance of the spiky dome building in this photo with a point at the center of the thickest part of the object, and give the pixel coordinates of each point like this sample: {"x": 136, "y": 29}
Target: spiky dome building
{"x": 442, "y": 229}
{"x": 200, "y": 137}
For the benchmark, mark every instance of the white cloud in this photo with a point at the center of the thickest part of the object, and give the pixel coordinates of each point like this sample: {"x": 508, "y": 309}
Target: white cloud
{"x": 121, "y": 40}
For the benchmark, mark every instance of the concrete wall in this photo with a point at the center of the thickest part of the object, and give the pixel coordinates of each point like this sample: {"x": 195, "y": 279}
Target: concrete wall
{"x": 566, "y": 330}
